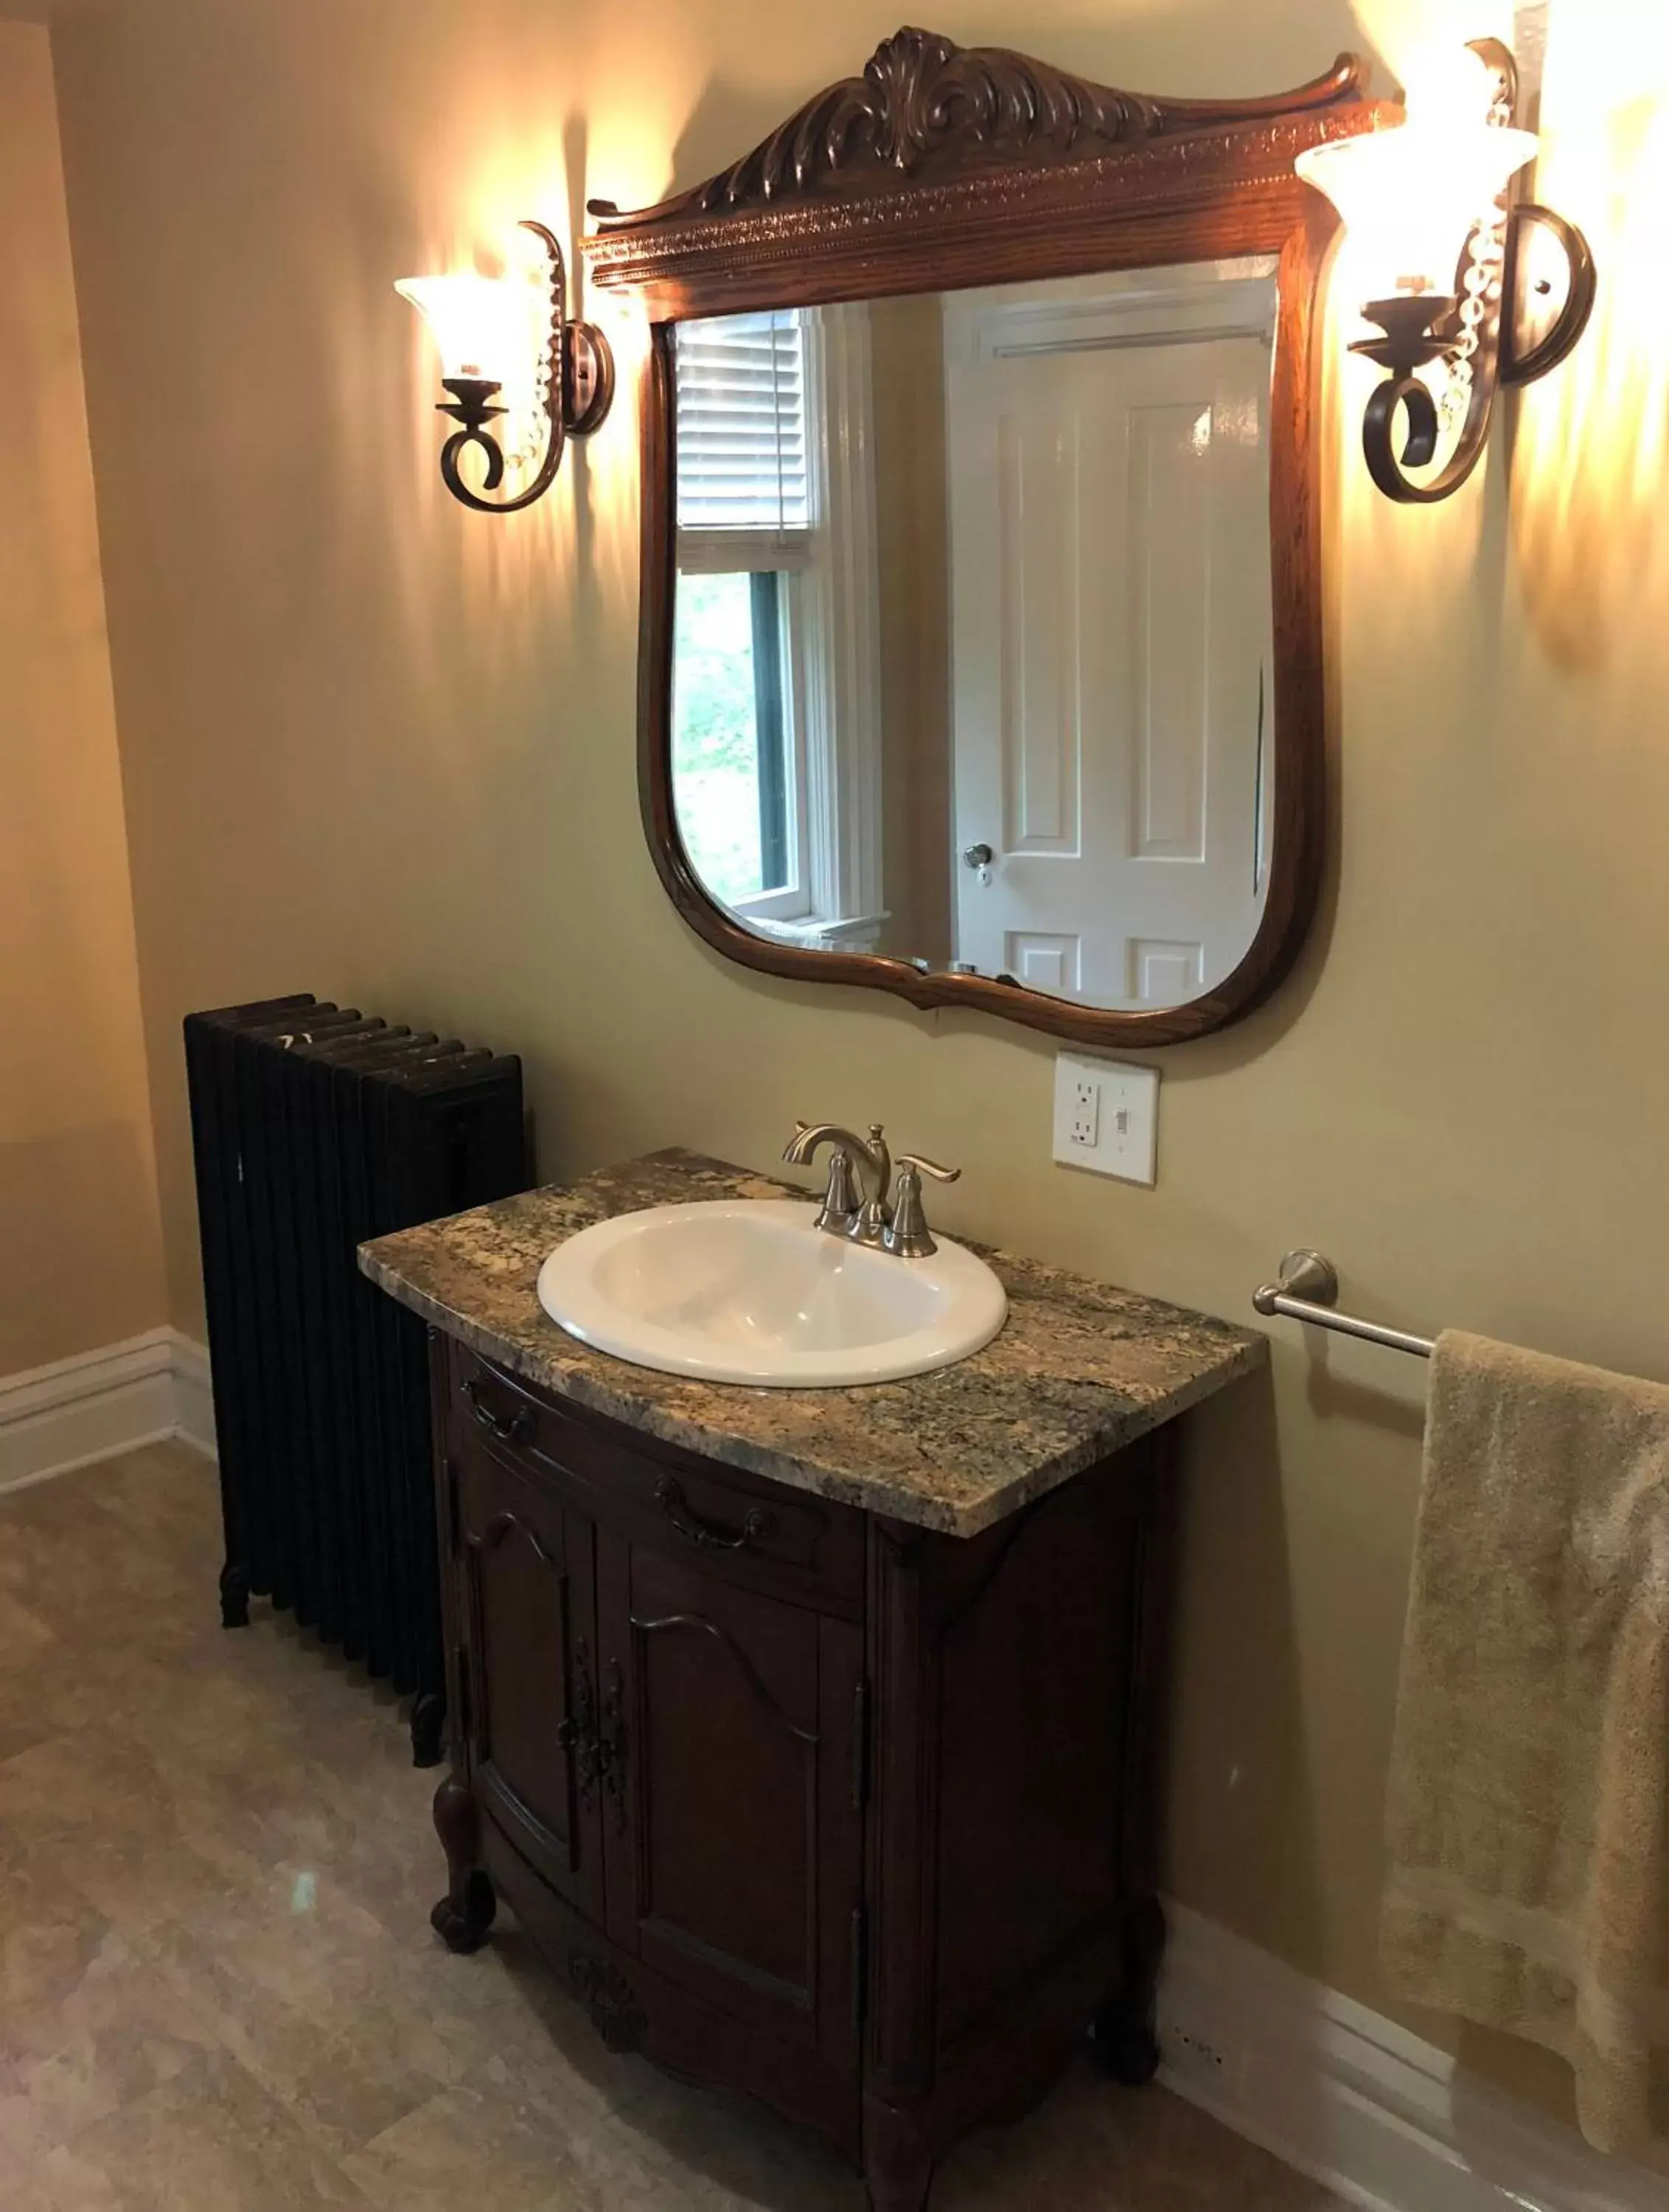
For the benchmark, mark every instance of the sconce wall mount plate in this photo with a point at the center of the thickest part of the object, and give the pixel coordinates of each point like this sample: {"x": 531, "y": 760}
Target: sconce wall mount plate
{"x": 1550, "y": 284}
{"x": 579, "y": 391}
{"x": 1522, "y": 295}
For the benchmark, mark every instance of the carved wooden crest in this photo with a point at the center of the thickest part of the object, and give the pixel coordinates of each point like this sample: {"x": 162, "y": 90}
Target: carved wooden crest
{"x": 925, "y": 108}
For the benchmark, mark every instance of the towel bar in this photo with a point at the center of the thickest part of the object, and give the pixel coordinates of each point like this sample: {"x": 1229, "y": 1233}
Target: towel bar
{"x": 1307, "y": 1289}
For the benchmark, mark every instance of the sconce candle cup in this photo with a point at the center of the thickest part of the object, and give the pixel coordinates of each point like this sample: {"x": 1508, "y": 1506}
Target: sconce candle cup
{"x": 1404, "y": 194}
{"x": 481, "y": 327}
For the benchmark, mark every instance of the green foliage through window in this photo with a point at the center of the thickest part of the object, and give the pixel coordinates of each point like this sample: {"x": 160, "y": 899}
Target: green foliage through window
{"x": 715, "y": 733}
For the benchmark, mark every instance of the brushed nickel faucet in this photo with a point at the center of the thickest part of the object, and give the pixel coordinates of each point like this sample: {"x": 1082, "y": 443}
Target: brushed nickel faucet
{"x": 860, "y": 1202}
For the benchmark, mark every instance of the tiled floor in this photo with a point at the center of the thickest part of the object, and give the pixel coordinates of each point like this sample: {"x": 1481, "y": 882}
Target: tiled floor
{"x": 218, "y": 1988}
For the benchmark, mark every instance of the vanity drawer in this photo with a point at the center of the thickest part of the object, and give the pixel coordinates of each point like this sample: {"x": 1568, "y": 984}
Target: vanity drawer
{"x": 736, "y": 1524}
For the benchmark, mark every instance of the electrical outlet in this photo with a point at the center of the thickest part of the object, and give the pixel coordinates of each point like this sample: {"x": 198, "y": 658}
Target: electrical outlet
{"x": 1189, "y": 2052}
{"x": 1106, "y": 1117}
{"x": 1086, "y": 1115}
{"x": 1197, "y": 2053}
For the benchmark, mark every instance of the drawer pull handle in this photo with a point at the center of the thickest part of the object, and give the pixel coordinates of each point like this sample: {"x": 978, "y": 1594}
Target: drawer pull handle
{"x": 513, "y": 1429}
{"x": 670, "y": 1497}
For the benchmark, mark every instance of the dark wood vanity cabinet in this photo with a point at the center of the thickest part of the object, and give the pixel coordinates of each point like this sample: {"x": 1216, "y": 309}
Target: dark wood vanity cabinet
{"x": 799, "y": 1799}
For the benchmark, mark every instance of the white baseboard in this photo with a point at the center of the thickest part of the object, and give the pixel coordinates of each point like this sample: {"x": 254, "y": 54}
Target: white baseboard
{"x": 1358, "y": 2104}
{"x": 77, "y": 1411}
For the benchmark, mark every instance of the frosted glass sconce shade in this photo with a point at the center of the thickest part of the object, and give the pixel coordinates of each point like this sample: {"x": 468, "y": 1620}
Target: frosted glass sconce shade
{"x": 1434, "y": 226}
{"x": 481, "y": 324}
{"x": 1410, "y": 197}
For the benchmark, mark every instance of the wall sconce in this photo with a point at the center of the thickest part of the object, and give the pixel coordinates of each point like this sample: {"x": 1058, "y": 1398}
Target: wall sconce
{"x": 1508, "y": 310}
{"x": 483, "y": 328}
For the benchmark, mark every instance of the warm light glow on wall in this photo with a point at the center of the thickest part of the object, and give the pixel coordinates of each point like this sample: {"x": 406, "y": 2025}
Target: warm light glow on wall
{"x": 1592, "y": 446}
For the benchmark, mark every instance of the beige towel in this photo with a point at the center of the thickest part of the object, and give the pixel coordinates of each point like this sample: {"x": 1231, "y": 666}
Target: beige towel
{"x": 1529, "y": 1803}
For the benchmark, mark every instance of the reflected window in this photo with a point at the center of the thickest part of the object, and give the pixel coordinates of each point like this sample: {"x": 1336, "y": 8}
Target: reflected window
{"x": 732, "y": 760}
{"x": 775, "y": 689}
{"x": 747, "y": 526}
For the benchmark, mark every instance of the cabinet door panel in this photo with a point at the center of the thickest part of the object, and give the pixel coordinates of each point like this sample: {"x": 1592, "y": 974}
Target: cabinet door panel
{"x": 528, "y": 1563}
{"x": 734, "y": 1865}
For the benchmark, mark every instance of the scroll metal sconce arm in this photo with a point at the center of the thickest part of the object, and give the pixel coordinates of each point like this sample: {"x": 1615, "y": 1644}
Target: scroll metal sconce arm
{"x": 578, "y": 395}
{"x": 1527, "y": 335}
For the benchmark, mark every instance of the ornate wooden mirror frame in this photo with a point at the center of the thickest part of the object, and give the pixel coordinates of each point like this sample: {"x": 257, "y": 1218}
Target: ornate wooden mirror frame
{"x": 941, "y": 167}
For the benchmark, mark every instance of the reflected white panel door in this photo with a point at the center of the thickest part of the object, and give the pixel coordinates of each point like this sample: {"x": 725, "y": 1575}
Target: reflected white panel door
{"x": 1109, "y": 532}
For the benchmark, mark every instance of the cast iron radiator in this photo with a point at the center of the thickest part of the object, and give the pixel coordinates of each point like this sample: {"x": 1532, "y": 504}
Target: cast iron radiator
{"x": 315, "y": 1126}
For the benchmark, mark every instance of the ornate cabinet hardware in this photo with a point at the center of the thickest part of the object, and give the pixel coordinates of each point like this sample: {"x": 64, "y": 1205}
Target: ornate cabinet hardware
{"x": 670, "y": 1497}
{"x": 509, "y": 1429}
{"x": 578, "y": 1735}
{"x": 613, "y": 1745}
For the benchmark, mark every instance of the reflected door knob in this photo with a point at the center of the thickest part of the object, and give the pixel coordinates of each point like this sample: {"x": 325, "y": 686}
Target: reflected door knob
{"x": 977, "y": 856}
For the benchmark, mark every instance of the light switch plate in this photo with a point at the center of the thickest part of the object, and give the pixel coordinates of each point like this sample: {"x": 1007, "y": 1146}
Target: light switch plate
{"x": 1106, "y": 1117}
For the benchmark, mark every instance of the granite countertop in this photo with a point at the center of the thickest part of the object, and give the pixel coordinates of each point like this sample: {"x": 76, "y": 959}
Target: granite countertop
{"x": 1079, "y": 1370}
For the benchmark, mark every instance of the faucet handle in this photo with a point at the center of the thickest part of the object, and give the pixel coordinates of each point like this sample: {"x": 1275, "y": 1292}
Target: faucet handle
{"x": 930, "y": 1167}
{"x": 841, "y": 1199}
{"x": 908, "y": 1234}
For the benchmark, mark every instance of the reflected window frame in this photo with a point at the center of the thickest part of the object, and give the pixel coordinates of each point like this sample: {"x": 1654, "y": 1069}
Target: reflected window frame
{"x": 828, "y": 654}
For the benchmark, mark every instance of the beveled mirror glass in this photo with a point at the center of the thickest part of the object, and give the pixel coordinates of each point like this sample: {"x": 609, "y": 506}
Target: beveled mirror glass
{"x": 982, "y": 613}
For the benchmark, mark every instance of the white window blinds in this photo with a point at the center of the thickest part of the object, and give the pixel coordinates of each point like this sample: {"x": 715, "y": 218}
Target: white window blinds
{"x": 744, "y": 487}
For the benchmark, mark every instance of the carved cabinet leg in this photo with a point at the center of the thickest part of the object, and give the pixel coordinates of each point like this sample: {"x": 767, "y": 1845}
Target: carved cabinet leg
{"x": 1122, "y": 2032}
{"x": 900, "y": 2184}
{"x": 463, "y": 1914}
{"x": 898, "y": 2160}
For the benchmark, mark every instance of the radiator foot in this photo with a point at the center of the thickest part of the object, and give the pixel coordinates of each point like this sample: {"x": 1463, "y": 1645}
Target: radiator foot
{"x": 234, "y": 1596}
{"x": 1121, "y": 2036}
{"x": 429, "y": 1726}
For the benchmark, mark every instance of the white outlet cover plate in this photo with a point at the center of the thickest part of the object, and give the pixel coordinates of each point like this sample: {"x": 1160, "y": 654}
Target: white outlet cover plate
{"x": 1126, "y": 1120}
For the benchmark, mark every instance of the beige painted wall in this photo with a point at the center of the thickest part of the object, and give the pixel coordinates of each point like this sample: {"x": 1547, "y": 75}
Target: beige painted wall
{"x": 379, "y": 747}
{"x": 81, "y": 1256}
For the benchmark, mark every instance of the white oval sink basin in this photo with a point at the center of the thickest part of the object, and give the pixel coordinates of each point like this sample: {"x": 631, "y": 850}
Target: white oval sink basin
{"x": 749, "y": 1291}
